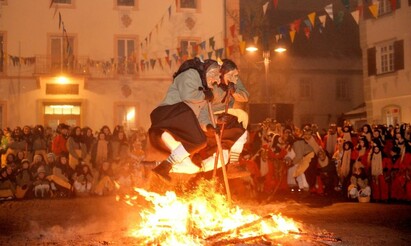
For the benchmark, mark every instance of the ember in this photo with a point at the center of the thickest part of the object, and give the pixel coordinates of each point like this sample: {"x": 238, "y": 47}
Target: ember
{"x": 204, "y": 217}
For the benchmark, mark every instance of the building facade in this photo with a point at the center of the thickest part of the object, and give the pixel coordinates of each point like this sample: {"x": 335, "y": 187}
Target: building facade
{"x": 98, "y": 62}
{"x": 386, "y": 46}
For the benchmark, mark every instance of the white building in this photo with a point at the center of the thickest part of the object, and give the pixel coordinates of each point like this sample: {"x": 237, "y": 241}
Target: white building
{"x": 386, "y": 45}
{"x": 118, "y": 57}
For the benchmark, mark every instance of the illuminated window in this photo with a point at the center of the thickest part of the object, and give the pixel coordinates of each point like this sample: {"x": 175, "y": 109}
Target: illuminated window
{"x": 126, "y": 115}
{"x": 64, "y": 109}
{"x": 392, "y": 115}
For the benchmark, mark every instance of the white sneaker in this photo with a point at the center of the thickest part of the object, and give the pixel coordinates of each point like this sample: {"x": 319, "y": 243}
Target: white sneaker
{"x": 186, "y": 166}
{"x": 208, "y": 164}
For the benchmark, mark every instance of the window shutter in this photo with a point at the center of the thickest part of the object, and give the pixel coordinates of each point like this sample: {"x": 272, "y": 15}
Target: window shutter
{"x": 398, "y": 55}
{"x": 372, "y": 63}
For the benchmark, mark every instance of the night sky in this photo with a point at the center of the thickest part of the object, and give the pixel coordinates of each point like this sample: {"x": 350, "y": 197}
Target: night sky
{"x": 340, "y": 37}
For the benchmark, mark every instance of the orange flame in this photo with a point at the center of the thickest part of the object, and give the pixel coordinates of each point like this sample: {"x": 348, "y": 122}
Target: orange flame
{"x": 200, "y": 217}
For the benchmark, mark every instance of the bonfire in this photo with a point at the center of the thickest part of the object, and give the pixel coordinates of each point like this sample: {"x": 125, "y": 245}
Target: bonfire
{"x": 205, "y": 217}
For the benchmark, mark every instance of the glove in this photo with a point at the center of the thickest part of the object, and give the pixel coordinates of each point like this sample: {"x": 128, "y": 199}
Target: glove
{"x": 223, "y": 118}
{"x": 231, "y": 88}
{"x": 211, "y": 130}
{"x": 209, "y": 96}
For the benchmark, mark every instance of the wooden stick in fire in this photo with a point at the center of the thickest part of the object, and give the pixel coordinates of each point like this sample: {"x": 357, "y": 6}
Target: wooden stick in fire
{"x": 226, "y": 104}
{"x": 220, "y": 152}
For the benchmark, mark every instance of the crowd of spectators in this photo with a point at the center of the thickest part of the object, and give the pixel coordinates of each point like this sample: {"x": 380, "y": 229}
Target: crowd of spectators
{"x": 37, "y": 162}
{"x": 370, "y": 163}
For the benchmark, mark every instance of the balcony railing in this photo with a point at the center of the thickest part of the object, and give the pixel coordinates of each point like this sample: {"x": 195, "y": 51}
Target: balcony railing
{"x": 77, "y": 65}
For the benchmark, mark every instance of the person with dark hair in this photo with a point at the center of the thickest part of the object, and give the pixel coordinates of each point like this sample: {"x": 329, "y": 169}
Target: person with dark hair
{"x": 76, "y": 148}
{"x": 344, "y": 166}
{"x": 39, "y": 142}
{"x": 58, "y": 144}
{"x": 179, "y": 122}
{"x": 380, "y": 172}
{"x": 234, "y": 135}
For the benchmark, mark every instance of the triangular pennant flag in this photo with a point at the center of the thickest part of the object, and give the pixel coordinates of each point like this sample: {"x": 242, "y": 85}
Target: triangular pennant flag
{"x": 292, "y": 35}
{"x": 167, "y": 58}
{"x": 210, "y": 54}
{"x": 361, "y": 9}
{"x": 203, "y": 45}
{"x": 175, "y": 56}
{"x": 145, "y": 56}
{"x": 275, "y": 3}
{"x": 169, "y": 12}
{"x": 329, "y": 10}
{"x": 160, "y": 63}
{"x": 297, "y": 24}
{"x": 167, "y": 52}
{"x": 311, "y": 17}
{"x": 356, "y": 15}
{"x": 149, "y": 37}
{"x": 232, "y": 30}
{"x": 308, "y": 23}
{"x": 265, "y": 7}
{"x": 374, "y": 9}
{"x": 211, "y": 42}
{"x": 322, "y": 19}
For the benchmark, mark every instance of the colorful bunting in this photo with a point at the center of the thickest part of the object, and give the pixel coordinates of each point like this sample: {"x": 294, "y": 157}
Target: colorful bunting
{"x": 311, "y": 17}
{"x": 374, "y": 9}
{"x": 322, "y": 19}
{"x": 356, "y": 15}
{"x": 265, "y": 7}
{"x": 329, "y": 10}
{"x": 292, "y": 35}
{"x": 211, "y": 42}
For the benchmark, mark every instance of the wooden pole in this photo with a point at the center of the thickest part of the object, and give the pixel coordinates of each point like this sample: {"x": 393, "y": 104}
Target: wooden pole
{"x": 220, "y": 153}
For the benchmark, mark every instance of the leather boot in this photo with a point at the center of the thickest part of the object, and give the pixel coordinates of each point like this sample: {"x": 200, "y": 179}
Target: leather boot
{"x": 163, "y": 169}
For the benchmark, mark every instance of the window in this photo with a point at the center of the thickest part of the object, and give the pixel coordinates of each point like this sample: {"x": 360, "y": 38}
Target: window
{"x": 392, "y": 115}
{"x": 62, "y": 109}
{"x": 63, "y": 3}
{"x": 2, "y": 55}
{"x": 305, "y": 89}
{"x": 125, "y": 114}
{"x": 386, "y": 57}
{"x": 343, "y": 86}
{"x": 62, "y": 53}
{"x": 183, "y": 5}
{"x": 384, "y": 7}
{"x": 129, "y": 3}
{"x": 126, "y": 56}
{"x": 188, "y": 48}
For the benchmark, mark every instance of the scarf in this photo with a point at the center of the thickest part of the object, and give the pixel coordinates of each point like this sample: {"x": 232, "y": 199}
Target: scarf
{"x": 376, "y": 164}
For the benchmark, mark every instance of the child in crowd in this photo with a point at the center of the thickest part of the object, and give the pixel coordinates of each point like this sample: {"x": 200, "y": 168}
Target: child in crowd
{"x": 24, "y": 180}
{"x": 83, "y": 180}
{"x": 41, "y": 185}
{"x": 358, "y": 183}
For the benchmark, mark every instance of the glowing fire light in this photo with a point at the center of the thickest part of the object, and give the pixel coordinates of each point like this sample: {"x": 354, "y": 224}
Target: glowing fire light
{"x": 202, "y": 217}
